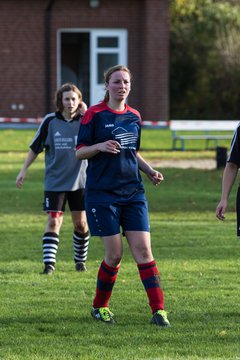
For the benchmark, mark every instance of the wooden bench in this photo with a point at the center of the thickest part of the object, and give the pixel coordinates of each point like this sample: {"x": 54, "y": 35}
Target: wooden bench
{"x": 181, "y": 131}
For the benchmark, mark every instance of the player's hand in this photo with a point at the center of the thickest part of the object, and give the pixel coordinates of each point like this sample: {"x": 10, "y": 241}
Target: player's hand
{"x": 110, "y": 146}
{"x": 221, "y": 209}
{"x": 155, "y": 176}
{"x": 19, "y": 180}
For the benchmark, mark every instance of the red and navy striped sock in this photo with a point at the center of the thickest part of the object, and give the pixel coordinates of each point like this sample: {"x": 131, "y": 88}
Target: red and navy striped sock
{"x": 107, "y": 276}
{"x": 151, "y": 280}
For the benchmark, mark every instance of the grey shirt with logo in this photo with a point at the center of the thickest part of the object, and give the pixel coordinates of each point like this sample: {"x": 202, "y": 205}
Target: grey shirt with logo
{"x": 63, "y": 171}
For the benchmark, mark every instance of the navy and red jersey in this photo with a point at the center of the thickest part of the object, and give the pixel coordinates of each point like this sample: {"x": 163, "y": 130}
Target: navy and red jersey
{"x": 234, "y": 154}
{"x": 112, "y": 176}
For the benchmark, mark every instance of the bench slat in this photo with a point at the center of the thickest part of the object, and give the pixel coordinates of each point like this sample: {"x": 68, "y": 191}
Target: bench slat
{"x": 197, "y": 125}
{"x": 201, "y": 137}
{"x": 178, "y": 127}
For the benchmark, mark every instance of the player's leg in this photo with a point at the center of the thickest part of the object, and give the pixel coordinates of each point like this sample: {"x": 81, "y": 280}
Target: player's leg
{"x": 54, "y": 205}
{"x": 107, "y": 275}
{"x": 103, "y": 221}
{"x": 139, "y": 240}
{"x": 81, "y": 234}
{"x": 81, "y": 238}
{"x": 140, "y": 245}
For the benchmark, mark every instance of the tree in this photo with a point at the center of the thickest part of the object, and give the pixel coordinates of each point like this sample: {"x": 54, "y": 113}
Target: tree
{"x": 204, "y": 59}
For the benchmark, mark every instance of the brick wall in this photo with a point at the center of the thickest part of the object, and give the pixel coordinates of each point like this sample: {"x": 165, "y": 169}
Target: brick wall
{"x": 21, "y": 54}
{"x": 23, "y": 61}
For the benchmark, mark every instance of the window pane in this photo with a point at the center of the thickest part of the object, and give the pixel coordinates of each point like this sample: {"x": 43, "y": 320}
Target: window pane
{"x": 105, "y": 61}
{"x": 107, "y": 42}
{"x": 75, "y": 61}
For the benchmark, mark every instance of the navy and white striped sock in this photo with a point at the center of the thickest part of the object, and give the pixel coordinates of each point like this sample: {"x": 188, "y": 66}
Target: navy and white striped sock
{"x": 80, "y": 245}
{"x": 50, "y": 248}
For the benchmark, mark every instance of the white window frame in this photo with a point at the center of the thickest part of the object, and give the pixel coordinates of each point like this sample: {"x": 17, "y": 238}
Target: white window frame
{"x": 96, "y": 90}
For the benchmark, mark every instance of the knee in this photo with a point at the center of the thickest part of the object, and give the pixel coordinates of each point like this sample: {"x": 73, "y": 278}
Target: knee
{"x": 144, "y": 253}
{"x": 81, "y": 226}
{"x": 54, "y": 223}
{"x": 113, "y": 260}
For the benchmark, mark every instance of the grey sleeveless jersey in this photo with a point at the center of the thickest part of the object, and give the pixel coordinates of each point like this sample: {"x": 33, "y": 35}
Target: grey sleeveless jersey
{"x": 63, "y": 171}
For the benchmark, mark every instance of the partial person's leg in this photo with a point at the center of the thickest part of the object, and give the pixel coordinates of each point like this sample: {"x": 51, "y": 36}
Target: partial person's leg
{"x": 81, "y": 233}
{"x": 140, "y": 246}
{"x": 107, "y": 275}
{"x": 51, "y": 240}
{"x": 80, "y": 239}
{"x": 54, "y": 205}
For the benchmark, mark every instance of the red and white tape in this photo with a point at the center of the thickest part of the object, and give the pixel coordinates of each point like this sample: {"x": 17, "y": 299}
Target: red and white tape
{"x": 20, "y": 120}
{"x": 15, "y": 120}
{"x": 160, "y": 124}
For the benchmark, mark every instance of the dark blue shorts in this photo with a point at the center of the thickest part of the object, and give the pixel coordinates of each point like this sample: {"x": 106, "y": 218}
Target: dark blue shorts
{"x": 106, "y": 219}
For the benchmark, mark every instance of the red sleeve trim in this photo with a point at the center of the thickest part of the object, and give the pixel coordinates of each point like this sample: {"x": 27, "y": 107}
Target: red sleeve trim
{"x": 80, "y": 146}
{"x": 89, "y": 114}
{"x": 134, "y": 111}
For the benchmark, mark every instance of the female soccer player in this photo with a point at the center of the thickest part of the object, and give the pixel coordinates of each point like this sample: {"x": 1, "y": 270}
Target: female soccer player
{"x": 65, "y": 176}
{"x": 109, "y": 137}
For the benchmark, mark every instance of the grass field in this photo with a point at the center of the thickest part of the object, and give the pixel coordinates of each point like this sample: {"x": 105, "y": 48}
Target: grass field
{"x": 198, "y": 257}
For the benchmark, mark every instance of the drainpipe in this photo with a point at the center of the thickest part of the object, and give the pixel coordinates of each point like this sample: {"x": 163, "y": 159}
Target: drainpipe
{"x": 47, "y": 19}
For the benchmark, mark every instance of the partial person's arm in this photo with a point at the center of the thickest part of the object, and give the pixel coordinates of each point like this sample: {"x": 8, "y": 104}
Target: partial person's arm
{"x": 87, "y": 152}
{"x": 155, "y": 176}
{"x": 29, "y": 160}
{"x": 229, "y": 176}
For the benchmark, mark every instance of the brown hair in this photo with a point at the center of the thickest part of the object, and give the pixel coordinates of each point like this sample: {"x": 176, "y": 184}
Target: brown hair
{"x": 59, "y": 94}
{"x": 109, "y": 72}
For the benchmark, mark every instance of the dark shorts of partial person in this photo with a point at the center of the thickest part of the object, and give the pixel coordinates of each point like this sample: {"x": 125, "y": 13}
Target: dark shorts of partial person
{"x": 56, "y": 201}
{"x": 106, "y": 219}
{"x": 238, "y": 211}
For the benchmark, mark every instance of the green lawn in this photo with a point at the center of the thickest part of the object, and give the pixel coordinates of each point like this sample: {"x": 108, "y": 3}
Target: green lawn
{"x": 153, "y": 140}
{"x": 198, "y": 257}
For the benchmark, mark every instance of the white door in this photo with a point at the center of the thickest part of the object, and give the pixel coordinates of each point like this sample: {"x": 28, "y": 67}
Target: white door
{"x": 107, "y": 48}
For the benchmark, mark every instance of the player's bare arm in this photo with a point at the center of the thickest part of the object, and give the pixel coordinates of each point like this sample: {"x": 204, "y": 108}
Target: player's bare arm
{"x": 229, "y": 176}
{"x": 155, "y": 176}
{"x": 29, "y": 160}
